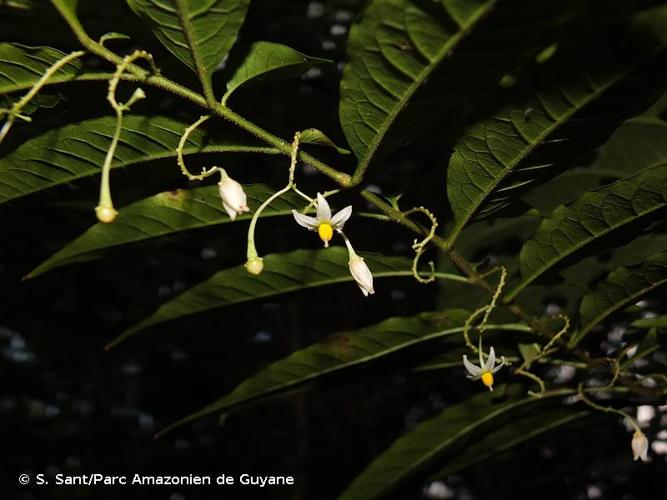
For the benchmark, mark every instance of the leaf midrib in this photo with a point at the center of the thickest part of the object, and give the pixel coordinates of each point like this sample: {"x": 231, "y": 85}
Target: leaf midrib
{"x": 202, "y": 72}
{"x": 57, "y": 80}
{"x": 615, "y": 307}
{"x": 462, "y": 432}
{"x": 530, "y": 278}
{"x": 402, "y": 103}
{"x": 510, "y": 168}
{"x": 296, "y": 383}
{"x": 146, "y": 158}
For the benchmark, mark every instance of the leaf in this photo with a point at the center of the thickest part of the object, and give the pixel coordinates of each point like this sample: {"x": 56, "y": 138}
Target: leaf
{"x": 416, "y": 452}
{"x": 411, "y": 62}
{"x": 638, "y": 144}
{"x": 22, "y": 66}
{"x": 270, "y": 61}
{"x": 529, "y": 352}
{"x": 570, "y": 228}
{"x": 509, "y": 436}
{"x": 575, "y": 102}
{"x": 338, "y": 352}
{"x": 283, "y": 273}
{"x": 162, "y": 215}
{"x": 314, "y": 136}
{"x": 198, "y": 32}
{"x": 622, "y": 287}
{"x": 66, "y": 154}
{"x": 657, "y": 322}
{"x": 646, "y": 347}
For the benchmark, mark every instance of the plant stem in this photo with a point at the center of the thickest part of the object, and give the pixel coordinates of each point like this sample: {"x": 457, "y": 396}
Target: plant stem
{"x": 343, "y": 179}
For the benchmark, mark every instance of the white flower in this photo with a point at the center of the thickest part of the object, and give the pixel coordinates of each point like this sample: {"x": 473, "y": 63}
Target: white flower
{"x": 639, "y": 446}
{"x": 233, "y": 197}
{"x": 484, "y": 371}
{"x": 358, "y": 269}
{"x": 324, "y": 223}
{"x": 361, "y": 274}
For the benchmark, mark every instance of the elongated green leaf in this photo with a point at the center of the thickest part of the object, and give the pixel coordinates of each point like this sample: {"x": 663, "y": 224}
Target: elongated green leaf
{"x": 162, "y": 215}
{"x": 622, "y": 287}
{"x": 75, "y": 151}
{"x": 315, "y": 136}
{"x": 578, "y": 99}
{"x": 416, "y": 452}
{"x": 645, "y": 348}
{"x": 412, "y": 61}
{"x": 283, "y": 273}
{"x": 570, "y": 228}
{"x": 270, "y": 61}
{"x": 509, "y": 436}
{"x": 657, "y": 322}
{"x": 336, "y": 353}
{"x": 198, "y": 32}
{"x": 21, "y": 66}
{"x": 638, "y": 144}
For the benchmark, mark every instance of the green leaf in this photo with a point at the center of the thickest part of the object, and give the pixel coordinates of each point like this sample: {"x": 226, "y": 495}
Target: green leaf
{"x": 283, "y": 273}
{"x": 645, "y": 348}
{"x": 314, "y": 136}
{"x": 198, "y": 32}
{"x": 270, "y": 61}
{"x": 657, "y": 322}
{"x": 411, "y": 62}
{"x": 162, "y": 215}
{"x": 622, "y": 287}
{"x": 417, "y": 451}
{"x": 336, "y": 353}
{"x": 638, "y": 144}
{"x": 570, "y": 228}
{"x": 509, "y": 436}
{"x": 64, "y": 155}
{"x": 577, "y": 100}
{"x": 529, "y": 353}
{"x": 22, "y": 66}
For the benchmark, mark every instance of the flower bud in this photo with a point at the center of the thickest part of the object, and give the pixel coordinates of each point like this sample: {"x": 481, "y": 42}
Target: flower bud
{"x": 361, "y": 274}
{"x": 255, "y": 265}
{"x": 105, "y": 214}
{"x": 233, "y": 197}
{"x": 639, "y": 446}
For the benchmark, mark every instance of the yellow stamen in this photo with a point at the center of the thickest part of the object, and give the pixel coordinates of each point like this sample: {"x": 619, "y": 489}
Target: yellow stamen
{"x": 487, "y": 380}
{"x": 325, "y": 230}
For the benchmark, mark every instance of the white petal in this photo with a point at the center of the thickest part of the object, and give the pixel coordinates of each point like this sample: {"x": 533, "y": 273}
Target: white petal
{"x": 323, "y": 209}
{"x": 230, "y": 211}
{"x": 473, "y": 370}
{"x": 361, "y": 274}
{"x": 303, "y": 220}
{"x": 640, "y": 446}
{"x": 490, "y": 361}
{"x": 497, "y": 368}
{"x": 339, "y": 219}
{"x": 232, "y": 194}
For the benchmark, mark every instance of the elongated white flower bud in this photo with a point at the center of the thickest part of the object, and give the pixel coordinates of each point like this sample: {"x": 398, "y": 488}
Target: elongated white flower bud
{"x": 361, "y": 274}
{"x": 233, "y": 197}
{"x": 639, "y": 446}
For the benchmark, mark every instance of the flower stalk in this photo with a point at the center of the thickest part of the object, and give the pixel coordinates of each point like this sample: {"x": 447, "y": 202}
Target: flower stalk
{"x": 105, "y": 210}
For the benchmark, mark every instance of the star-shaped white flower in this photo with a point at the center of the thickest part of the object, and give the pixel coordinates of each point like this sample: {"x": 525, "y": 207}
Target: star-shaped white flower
{"x": 323, "y": 223}
{"x": 485, "y": 370}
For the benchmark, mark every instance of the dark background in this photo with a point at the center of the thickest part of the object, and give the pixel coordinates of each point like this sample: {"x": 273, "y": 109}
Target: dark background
{"x": 68, "y": 406}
